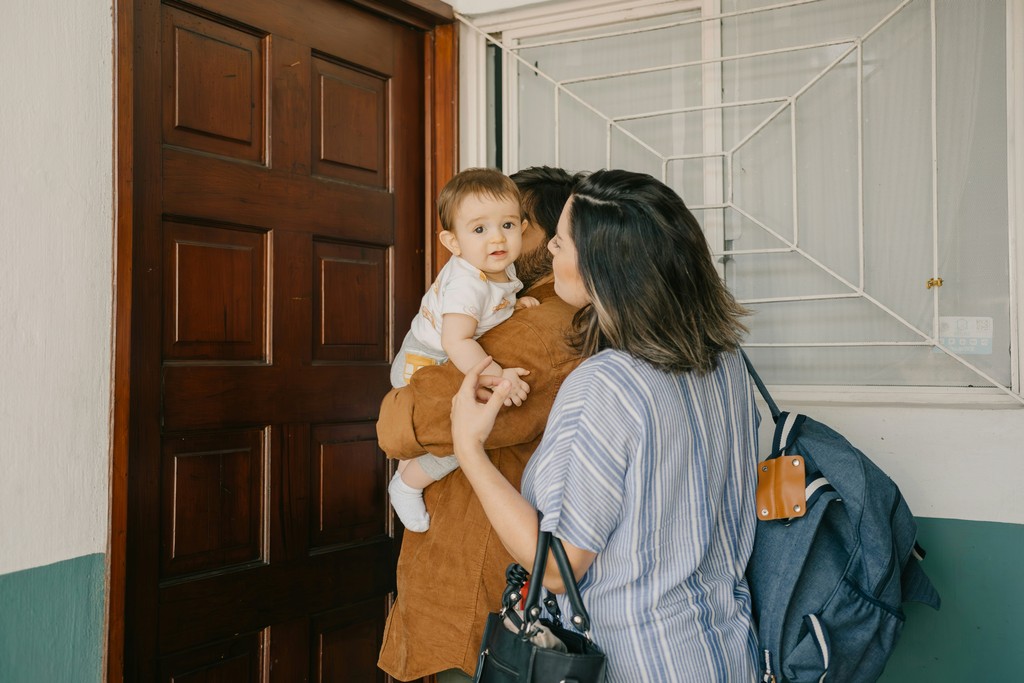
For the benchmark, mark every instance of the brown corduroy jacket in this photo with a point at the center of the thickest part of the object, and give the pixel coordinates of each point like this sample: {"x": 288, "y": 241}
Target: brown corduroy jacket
{"x": 450, "y": 577}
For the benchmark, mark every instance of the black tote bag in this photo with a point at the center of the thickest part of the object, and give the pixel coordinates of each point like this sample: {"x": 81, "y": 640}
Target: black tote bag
{"x": 529, "y": 649}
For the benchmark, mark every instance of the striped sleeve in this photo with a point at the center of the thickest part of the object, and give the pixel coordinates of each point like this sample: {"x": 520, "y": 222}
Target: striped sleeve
{"x": 580, "y": 467}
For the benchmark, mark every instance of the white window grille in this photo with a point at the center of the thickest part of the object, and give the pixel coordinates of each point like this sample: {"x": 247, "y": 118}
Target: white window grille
{"x": 852, "y": 164}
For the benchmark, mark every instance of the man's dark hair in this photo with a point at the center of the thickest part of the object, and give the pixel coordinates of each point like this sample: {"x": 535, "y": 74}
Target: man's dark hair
{"x": 544, "y": 191}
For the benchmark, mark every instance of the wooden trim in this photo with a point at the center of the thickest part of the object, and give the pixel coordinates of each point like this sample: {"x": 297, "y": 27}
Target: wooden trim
{"x": 442, "y": 133}
{"x": 423, "y": 14}
{"x": 123, "y": 153}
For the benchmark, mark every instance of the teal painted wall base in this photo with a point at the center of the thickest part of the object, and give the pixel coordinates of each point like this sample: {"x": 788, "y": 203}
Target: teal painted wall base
{"x": 51, "y": 618}
{"x": 977, "y": 568}
{"x": 51, "y": 622}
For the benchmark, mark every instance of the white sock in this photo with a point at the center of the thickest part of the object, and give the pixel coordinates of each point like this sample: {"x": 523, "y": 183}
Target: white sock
{"x": 408, "y": 504}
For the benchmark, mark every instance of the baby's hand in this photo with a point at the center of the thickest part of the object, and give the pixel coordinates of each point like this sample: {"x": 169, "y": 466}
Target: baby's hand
{"x": 526, "y": 302}
{"x": 519, "y": 388}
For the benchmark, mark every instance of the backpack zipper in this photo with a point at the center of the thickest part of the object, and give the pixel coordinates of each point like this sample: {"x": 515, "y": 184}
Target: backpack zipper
{"x": 887, "y": 574}
{"x": 768, "y": 676}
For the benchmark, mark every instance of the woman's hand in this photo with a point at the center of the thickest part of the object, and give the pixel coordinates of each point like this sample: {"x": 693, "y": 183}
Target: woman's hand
{"x": 473, "y": 420}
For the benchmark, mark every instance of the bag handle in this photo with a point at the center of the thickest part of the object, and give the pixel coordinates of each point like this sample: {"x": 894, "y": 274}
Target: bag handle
{"x": 761, "y": 387}
{"x": 531, "y": 610}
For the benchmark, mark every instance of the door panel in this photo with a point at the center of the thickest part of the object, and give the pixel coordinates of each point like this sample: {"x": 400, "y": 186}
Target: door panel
{"x": 213, "y": 502}
{"x": 346, "y": 99}
{"x": 349, "y": 278}
{"x": 215, "y": 286}
{"x": 279, "y": 236}
{"x": 346, "y": 478}
{"x": 212, "y": 86}
{"x": 237, "y": 659}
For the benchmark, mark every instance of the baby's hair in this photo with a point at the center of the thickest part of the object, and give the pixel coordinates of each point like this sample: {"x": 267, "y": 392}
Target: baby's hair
{"x": 481, "y": 182}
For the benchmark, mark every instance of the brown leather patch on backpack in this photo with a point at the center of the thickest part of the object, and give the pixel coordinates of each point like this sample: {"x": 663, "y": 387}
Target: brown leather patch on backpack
{"x": 781, "y": 488}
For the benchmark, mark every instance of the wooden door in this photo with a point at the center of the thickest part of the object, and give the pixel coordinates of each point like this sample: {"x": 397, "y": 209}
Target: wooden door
{"x": 278, "y": 236}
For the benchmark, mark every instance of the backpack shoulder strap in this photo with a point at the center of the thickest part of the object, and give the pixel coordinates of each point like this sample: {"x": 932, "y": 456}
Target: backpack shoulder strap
{"x": 761, "y": 387}
{"x": 787, "y": 429}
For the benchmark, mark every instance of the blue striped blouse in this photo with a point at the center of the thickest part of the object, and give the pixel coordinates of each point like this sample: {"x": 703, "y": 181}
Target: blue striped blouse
{"x": 656, "y": 474}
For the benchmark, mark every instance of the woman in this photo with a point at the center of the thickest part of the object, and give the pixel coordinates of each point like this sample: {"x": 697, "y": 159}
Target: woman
{"x": 647, "y": 466}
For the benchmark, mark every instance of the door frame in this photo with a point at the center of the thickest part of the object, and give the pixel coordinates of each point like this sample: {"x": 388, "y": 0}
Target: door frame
{"x": 435, "y": 19}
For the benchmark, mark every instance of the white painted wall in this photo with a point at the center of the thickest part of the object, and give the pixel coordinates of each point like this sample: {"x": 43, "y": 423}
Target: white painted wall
{"x": 56, "y": 115}
{"x": 952, "y": 461}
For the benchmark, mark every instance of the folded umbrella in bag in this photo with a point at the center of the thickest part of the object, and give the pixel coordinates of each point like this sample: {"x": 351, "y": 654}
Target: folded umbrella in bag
{"x": 529, "y": 649}
{"x": 543, "y": 637}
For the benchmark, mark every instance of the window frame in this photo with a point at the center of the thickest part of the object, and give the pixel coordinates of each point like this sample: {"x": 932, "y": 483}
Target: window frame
{"x": 514, "y": 25}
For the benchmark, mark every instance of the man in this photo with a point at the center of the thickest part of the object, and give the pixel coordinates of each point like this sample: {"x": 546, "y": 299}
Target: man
{"x": 450, "y": 577}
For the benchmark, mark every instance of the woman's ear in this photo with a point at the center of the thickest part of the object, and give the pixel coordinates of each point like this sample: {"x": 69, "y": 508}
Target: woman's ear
{"x": 450, "y": 241}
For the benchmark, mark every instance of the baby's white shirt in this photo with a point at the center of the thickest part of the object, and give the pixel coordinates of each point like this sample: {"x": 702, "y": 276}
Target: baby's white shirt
{"x": 462, "y": 288}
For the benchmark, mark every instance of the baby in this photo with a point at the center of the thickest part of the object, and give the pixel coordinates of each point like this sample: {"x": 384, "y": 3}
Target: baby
{"x": 482, "y": 227}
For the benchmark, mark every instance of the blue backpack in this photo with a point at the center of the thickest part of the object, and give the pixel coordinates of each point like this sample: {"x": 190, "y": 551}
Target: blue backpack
{"x": 827, "y": 586}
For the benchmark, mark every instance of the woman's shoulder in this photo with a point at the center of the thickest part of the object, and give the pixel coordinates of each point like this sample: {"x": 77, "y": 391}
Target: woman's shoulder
{"x": 610, "y": 359}
{"x": 641, "y": 381}
{"x": 612, "y": 370}
{"x": 619, "y": 364}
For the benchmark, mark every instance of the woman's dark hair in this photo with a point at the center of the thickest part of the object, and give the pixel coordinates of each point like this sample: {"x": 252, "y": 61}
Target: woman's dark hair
{"x": 647, "y": 268}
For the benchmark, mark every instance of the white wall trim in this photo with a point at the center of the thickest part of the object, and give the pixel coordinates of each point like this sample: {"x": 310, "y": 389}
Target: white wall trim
{"x": 573, "y": 14}
{"x": 1015, "y": 175}
{"x": 983, "y": 398}
{"x": 472, "y": 98}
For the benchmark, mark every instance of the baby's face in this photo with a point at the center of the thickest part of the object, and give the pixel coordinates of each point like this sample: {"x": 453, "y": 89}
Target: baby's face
{"x": 488, "y": 233}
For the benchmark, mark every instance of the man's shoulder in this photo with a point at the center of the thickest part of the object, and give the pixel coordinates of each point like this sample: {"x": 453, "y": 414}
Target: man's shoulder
{"x": 537, "y": 333}
{"x": 551, "y": 305}
{"x": 551, "y": 318}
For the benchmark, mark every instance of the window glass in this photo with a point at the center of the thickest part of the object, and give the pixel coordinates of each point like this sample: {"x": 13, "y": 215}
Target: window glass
{"x": 841, "y": 162}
